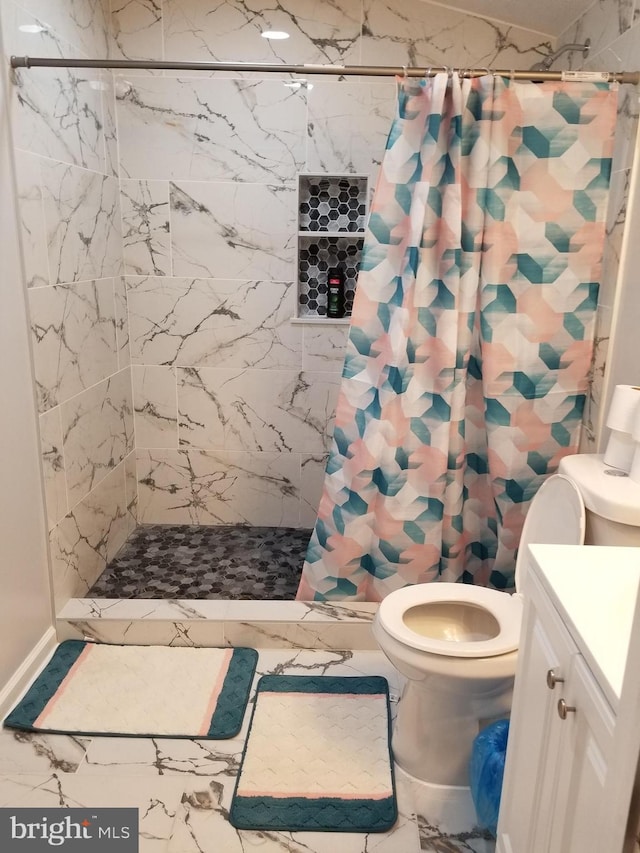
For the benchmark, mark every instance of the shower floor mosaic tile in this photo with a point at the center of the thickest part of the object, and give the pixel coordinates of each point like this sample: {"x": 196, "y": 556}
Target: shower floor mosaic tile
{"x": 183, "y": 788}
{"x": 197, "y": 561}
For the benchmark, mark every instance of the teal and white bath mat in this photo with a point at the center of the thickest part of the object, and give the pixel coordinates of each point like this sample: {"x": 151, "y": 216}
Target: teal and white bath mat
{"x": 139, "y": 691}
{"x": 318, "y": 757}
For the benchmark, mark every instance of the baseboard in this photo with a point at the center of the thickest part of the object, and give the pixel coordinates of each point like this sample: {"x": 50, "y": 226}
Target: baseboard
{"x": 20, "y": 681}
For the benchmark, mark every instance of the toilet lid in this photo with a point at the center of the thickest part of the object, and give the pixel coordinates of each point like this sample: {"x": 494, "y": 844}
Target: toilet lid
{"x": 556, "y": 517}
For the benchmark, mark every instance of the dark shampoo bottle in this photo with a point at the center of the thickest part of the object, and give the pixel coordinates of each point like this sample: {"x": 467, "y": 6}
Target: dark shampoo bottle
{"x": 335, "y": 293}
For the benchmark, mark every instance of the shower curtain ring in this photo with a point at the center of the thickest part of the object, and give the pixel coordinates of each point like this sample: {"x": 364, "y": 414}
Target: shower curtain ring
{"x": 445, "y": 70}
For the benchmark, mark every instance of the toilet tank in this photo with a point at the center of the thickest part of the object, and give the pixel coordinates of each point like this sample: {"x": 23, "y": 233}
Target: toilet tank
{"x": 611, "y": 500}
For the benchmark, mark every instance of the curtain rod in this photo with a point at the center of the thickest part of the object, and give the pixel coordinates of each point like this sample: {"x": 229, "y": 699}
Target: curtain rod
{"x": 632, "y": 77}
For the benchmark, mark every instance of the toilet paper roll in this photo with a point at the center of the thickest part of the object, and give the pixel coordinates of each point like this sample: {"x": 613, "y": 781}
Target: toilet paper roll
{"x": 623, "y": 408}
{"x": 620, "y": 450}
{"x": 634, "y": 472}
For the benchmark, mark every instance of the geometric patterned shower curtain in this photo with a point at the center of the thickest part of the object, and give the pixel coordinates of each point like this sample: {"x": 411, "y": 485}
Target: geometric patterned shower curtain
{"x": 471, "y": 335}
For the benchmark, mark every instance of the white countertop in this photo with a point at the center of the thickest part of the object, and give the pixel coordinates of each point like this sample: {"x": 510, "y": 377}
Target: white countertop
{"x": 595, "y": 589}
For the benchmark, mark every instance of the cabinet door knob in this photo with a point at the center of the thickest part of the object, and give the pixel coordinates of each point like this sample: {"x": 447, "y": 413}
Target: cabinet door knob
{"x": 553, "y": 679}
{"x": 564, "y": 709}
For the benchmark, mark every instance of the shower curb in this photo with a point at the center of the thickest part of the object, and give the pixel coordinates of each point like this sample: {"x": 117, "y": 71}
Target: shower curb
{"x": 264, "y": 624}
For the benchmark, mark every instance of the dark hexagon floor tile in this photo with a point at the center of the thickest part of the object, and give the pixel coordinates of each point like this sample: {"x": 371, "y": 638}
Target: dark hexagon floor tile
{"x": 198, "y": 562}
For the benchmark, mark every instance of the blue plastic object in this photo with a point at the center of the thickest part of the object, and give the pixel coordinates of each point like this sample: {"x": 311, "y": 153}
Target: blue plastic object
{"x": 486, "y": 769}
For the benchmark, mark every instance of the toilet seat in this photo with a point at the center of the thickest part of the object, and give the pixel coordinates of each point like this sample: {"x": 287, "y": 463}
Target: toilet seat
{"x": 503, "y": 607}
{"x": 556, "y": 516}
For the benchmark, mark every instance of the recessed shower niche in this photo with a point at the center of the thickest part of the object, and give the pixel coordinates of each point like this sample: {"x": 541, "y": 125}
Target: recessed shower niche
{"x": 332, "y": 215}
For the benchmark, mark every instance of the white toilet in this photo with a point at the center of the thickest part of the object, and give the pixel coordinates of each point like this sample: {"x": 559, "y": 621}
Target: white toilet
{"x": 457, "y": 644}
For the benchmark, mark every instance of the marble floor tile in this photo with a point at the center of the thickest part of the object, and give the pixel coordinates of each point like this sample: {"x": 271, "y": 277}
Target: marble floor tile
{"x": 158, "y": 800}
{"x": 183, "y": 787}
{"x": 163, "y": 757}
{"x": 30, "y": 752}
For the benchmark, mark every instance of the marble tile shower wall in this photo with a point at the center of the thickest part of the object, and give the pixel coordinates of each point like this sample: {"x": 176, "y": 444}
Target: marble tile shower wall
{"x": 234, "y": 403}
{"x": 614, "y": 29}
{"x": 66, "y": 172}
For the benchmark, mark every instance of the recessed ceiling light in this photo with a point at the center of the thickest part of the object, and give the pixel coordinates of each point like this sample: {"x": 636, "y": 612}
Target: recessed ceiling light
{"x": 31, "y": 28}
{"x": 299, "y": 84}
{"x": 274, "y": 34}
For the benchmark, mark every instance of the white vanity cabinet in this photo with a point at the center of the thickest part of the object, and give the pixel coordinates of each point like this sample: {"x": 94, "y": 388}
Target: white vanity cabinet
{"x": 574, "y": 737}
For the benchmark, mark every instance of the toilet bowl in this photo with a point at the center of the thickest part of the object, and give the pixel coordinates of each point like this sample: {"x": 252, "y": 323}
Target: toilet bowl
{"x": 457, "y": 646}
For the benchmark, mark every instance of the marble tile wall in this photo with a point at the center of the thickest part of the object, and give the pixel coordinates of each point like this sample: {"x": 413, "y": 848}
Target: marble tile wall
{"x": 159, "y": 230}
{"x": 63, "y": 124}
{"x": 233, "y": 404}
{"x": 614, "y": 29}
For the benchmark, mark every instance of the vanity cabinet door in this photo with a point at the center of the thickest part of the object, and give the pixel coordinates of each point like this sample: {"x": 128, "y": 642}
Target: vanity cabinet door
{"x": 579, "y": 821}
{"x": 529, "y": 786}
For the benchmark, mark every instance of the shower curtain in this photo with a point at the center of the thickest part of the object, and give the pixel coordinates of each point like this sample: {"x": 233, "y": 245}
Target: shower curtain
{"x": 471, "y": 335}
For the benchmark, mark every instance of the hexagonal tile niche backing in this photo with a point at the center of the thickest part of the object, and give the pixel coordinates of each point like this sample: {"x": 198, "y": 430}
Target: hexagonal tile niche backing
{"x": 316, "y": 256}
{"x": 329, "y": 205}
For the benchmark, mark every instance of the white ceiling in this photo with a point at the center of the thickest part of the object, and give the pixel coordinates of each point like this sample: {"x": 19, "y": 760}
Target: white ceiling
{"x": 551, "y": 17}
